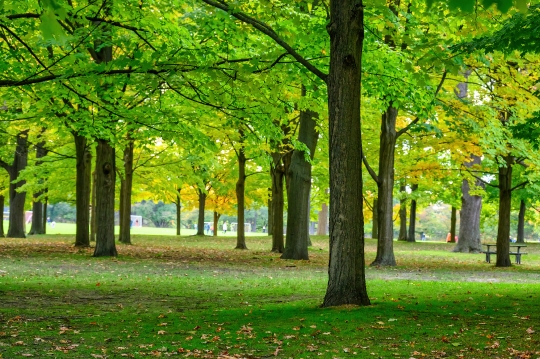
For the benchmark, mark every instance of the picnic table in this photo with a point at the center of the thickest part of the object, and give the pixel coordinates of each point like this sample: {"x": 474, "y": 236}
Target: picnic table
{"x": 515, "y": 250}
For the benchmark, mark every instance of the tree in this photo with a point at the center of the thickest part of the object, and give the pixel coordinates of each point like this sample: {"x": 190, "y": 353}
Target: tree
{"x": 16, "y": 198}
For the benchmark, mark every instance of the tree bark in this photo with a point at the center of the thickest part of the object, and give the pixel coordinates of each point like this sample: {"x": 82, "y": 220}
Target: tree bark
{"x": 105, "y": 184}
{"x": 385, "y": 245}
{"x": 93, "y": 224}
{"x": 505, "y": 205}
{"x": 200, "y": 221}
{"x": 240, "y": 197}
{"x": 2, "y": 204}
{"x": 453, "y": 220}
{"x": 270, "y": 226}
{"x": 297, "y": 238}
{"x": 521, "y": 222}
{"x": 216, "y": 220}
{"x": 402, "y": 215}
{"x": 412, "y": 220}
{"x": 346, "y": 271}
{"x": 277, "y": 174}
{"x": 323, "y": 220}
{"x": 178, "y": 204}
{"x": 44, "y": 219}
{"x": 82, "y": 190}
{"x": 375, "y": 223}
{"x": 38, "y": 226}
{"x": 17, "y": 199}
{"x": 469, "y": 216}
{"x": 125, "y": 213}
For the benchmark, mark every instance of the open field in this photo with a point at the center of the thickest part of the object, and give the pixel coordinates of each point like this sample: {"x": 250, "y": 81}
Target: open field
{"x": 69, "y": 228}
{"x": 196, "y": 296}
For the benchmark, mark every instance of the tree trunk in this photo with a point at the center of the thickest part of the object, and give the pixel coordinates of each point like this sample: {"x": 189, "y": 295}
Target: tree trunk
{"x": 125, "y": 213}
{"x": 105, "y": 184}
{"x": 270, "y": 226}
{"x": 402, "y": 215}
{"x": 240, "y": 198}
{"x": 503, "y": 229}
{"x": 17, "y": 199}
{"x": 2, "y": 204}
{"x": 38, "y": 226}
{"x": 200, "y": 221}
{"x": 178, "y": 204}
{"x": 453, "y": 220}
{"x": 385, "y": 244}
{"x": 216, "y": 219}
{"x": 469, "y": 216}
{"x": 297, "y": 238}
{"x": 93, "y": 224}
{"x": 82, "y": 190}
{"x": 412, "y": 221}
{"x": 323, "y": 220}
{"x": 346, "y": 271}
{"x": 521, "y": 222}
{"x": 121, "y": 209}
{"x": 44, "y": 219}
{"x": 277, "y": 205}
{"x": 375, "y": 223}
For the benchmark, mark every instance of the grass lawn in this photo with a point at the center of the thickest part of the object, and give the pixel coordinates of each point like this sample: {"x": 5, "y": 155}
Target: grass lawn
{"x": 69, "y": 228}
{"x": 197, "y": 297}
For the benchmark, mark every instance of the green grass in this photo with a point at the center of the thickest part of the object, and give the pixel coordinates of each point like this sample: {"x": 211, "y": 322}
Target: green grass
{"x": 196, "y": 296}
{"x": 69, "y": 228}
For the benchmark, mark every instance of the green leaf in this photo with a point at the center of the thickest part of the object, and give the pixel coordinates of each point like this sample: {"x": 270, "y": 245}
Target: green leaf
{"x": 50, "y": 27}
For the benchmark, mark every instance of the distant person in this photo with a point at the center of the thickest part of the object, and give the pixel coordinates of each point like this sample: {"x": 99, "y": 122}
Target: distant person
{"x": 422, "y": 236}
{"x": 225, "y": 227}
{"x": 212, "y": 229}
{"x": 131, "y": 224}
{"x": 136, "y": 223}
{"x": 264, "y": 229}
{"x": 207, "y": 228}
{"x": 53, "y": 224}
{"x": 49, "y": 220}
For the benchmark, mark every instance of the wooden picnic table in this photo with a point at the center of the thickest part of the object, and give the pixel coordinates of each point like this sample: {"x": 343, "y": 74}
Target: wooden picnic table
{"x": 515, "y": 250}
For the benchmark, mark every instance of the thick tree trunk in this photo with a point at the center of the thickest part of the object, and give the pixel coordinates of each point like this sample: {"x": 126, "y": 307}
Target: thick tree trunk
{"x": 412, "y": 220}
{"x": 270, "y": 226}
{"x": 2, "y": 204}
{"x": 503, "y": 228}
{"x": 200, "y": 221}
{"x": 402, "y": 215}
{"x": 469, "y": 217}
{"x": 178, "y": 204}
{"x": 385, "y": 244}
{"x": 323, "y": 220}
{"x": 37, "y": 205}
{"x": 297, "y": 238}
{"x": 521, "y": 222}
{"x": 453, "y": 220}
{"x": 17, "y": 199}
{"x": 105, "y": 184}
{"x": 216, "y": 220}
{"x": 93, "y": 224}
{"x": 346, "y": 269}
{"x": 375, "y": 223}
{"x": 240, "y": 199}
{"x": 125, "y": 213}
{"x": 121, "y": 209}
{"x": 277, "y": 206}
{"x": 82, "y": 190}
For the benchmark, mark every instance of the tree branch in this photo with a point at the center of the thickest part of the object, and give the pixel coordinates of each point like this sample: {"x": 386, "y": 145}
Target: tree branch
{"x": 370, "y": 170}
{"x": 522, "y": 184}
{"x": 415, "y": 121}
{"x": 268, "y": 31}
